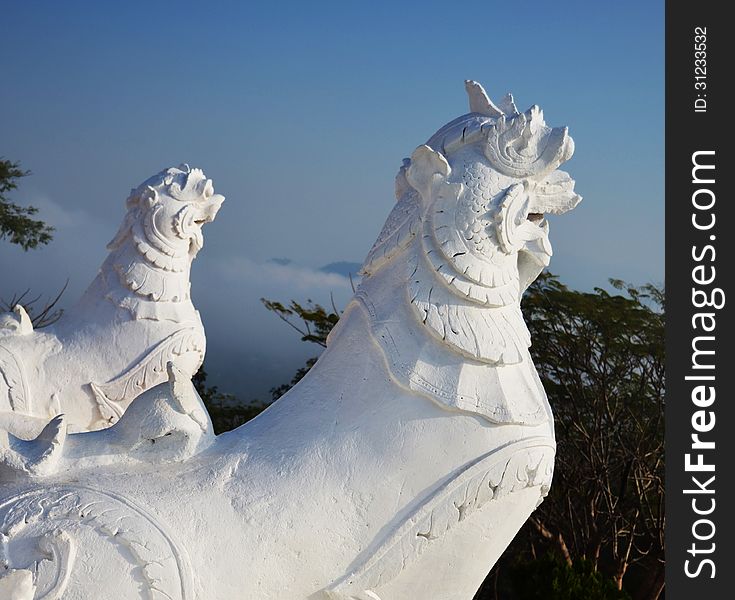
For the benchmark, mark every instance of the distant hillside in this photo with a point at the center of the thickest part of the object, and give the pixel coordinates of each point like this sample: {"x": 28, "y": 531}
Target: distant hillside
{"x": 281, "y": 261}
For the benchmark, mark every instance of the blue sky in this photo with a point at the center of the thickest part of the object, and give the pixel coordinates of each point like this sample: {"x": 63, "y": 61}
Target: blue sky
{"x": 301, "y": 113}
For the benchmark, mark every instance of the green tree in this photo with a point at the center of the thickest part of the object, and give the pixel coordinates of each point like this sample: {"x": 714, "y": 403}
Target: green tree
{"x": 315, "y": 324}
{"x": 601, "y": 359}
{"x": 549, "y": 577}
{"x": 16, "y": 222}
{"x": 17, "y": 226}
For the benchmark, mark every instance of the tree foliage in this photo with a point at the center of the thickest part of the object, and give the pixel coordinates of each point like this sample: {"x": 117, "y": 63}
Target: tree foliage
{"x": 551, "y": 578}
{"x": 601, "y": 360}
{"x": 42, "y": 314}
{"x": 17, "y": 224}
{"x": 316, "y": 321}
{"x": 313, "y": 322}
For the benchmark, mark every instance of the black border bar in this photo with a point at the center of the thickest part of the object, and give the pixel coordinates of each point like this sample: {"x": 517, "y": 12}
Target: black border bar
{"x": 699, "y": 364}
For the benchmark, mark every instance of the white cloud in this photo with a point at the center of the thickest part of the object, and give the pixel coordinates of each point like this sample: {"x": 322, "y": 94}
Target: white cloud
{"x": 297, "y": 279}
{"x": 63, "y": 218}
{"x": 75, "y": 253}
{"x": 249, "y": 350}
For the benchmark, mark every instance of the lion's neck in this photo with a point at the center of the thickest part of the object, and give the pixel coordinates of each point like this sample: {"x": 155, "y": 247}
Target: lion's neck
{"x": 500, "y": 390}
{"x": 148, "y": 284}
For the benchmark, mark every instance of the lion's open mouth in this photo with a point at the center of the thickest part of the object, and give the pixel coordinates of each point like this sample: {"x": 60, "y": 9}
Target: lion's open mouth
{"x": 207, "y": 211}
{"x": 536, "y": 218}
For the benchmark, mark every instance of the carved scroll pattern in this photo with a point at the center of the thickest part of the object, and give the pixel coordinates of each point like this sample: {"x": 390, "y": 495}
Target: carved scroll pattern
{"x": 53, "y": 514}
{"x": 114, "y": 396}
{"x": 490, "y": 477}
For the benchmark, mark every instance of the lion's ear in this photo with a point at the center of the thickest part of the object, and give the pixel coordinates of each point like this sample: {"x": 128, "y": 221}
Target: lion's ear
{"x": 428, "y": 167}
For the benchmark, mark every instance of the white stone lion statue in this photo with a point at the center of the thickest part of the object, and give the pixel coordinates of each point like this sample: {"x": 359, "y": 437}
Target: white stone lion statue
{"x": 136, "y": 315}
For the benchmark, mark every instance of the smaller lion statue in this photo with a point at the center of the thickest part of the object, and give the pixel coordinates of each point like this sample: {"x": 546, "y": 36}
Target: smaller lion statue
{"x": 135, "y": 317}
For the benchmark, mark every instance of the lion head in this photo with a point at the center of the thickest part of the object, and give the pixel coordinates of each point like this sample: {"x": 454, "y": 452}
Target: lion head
{"x": 168, "y": 210}
{"x": 471, "y": 204}
{"x": 162, "y": 232}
